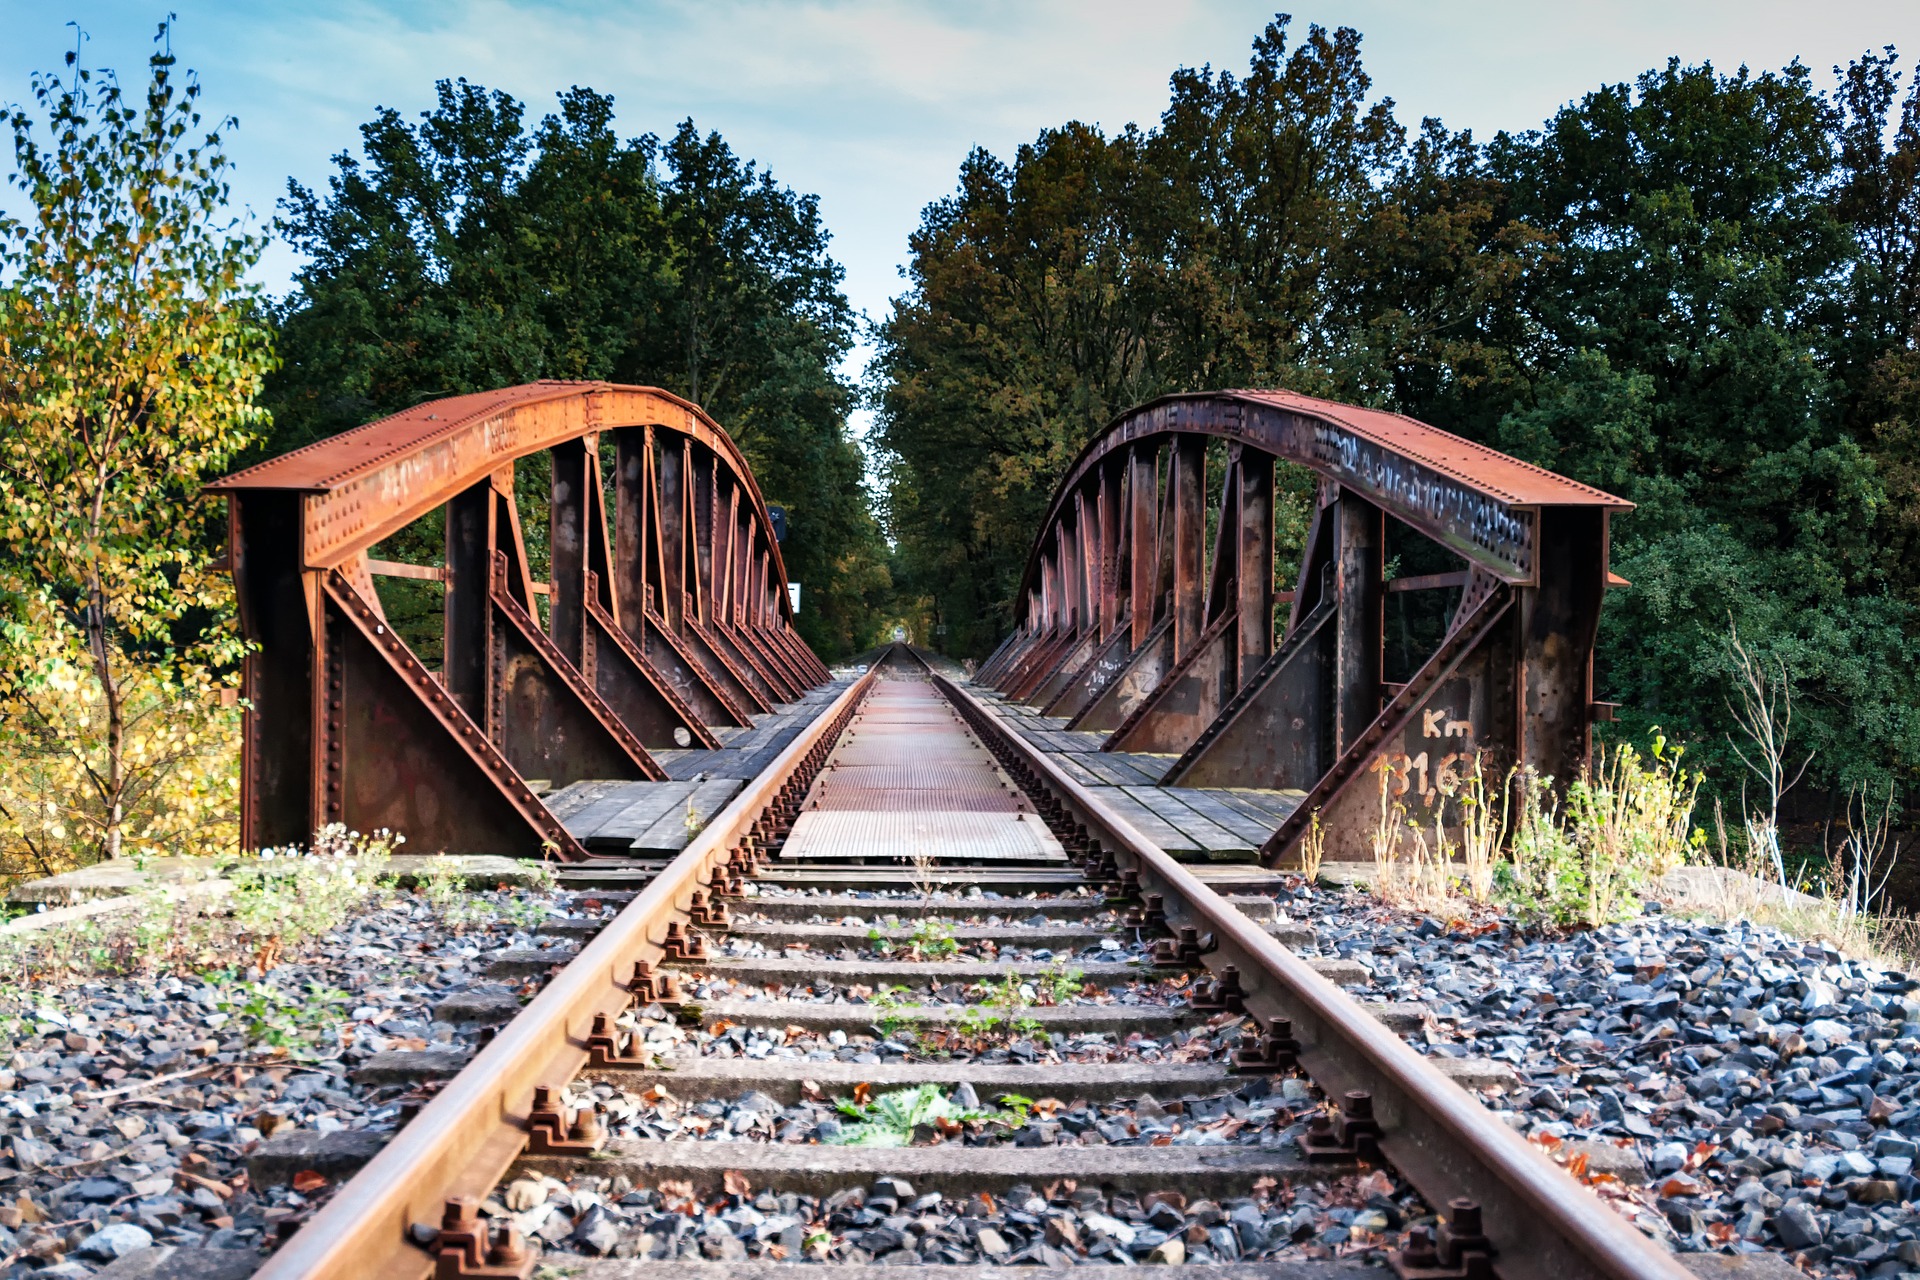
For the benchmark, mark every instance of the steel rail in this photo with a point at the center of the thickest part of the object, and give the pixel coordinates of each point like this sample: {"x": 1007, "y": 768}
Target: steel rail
{"x": 1543, "y": 1224}
{"x": 466, "y": 1137}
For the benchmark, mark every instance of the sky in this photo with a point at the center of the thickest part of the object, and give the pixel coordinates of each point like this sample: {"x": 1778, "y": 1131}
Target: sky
{"x": 872, "y": 104}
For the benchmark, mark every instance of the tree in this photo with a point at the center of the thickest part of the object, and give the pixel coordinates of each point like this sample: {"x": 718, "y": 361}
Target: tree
{"x": 130, "y": 353}
{"x": 465, "y": 252}
{"x": 1273, "y": 229}
{"x": 1698, "y": 290}
{"x": 1694, "y": 340}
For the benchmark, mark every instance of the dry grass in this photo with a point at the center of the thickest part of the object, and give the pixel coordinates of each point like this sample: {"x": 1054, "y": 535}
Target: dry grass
{"x": 1313, "y": 849}
{"x": 1407, "y": 872}
{"x": 1482, "y": 829}
{"x": 1736, "y": 894}
{"x": 1740, "y": 884}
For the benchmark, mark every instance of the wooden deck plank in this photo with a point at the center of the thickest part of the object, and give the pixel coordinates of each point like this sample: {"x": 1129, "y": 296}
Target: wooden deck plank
{"x": 671, "y": 831}
{"x": 1188, "y": 821}
{"x": 1150, "y": 824}
{"x": 1225, "y": 816}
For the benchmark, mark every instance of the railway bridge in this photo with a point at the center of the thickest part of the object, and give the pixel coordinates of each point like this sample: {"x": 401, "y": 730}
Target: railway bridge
{"x": 899, "y": 879}
{"x": 619, "y": 703}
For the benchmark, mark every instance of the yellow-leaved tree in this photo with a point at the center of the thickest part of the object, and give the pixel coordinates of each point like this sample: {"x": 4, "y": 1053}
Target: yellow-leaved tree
{"x": 131, "y": 349}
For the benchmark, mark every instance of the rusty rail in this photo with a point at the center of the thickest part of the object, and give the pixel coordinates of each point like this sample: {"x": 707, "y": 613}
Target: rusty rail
{"x": 1543, "y": 1225}
{"x": 467, "y": 1136}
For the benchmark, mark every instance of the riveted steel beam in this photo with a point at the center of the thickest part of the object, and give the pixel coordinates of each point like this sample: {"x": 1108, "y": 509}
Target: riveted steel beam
{"x": 663, "y": 617}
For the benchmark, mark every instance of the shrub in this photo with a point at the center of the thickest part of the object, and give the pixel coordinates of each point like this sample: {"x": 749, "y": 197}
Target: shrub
{"x": 180, "y": 763}
{"x": 1628, "y": 822}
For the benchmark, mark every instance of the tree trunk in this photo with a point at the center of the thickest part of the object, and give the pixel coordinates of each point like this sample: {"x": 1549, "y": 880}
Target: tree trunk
{"x": 115, "y": 782}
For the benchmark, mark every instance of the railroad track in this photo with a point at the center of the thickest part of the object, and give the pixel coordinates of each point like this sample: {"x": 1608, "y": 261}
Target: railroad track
{"x": 915, "y": 996}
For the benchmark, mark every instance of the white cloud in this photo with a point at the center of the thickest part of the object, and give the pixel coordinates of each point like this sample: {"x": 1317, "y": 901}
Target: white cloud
{"x": 872, "y": 103}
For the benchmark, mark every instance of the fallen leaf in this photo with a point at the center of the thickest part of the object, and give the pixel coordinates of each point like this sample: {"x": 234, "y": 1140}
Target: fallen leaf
{"x": 307, "y": 1181}
{"x": 187, "y": 1181}
{"x": 1681, "y": 1185}
{"x": 736, "y": 1183}
{"x": 29, "y": 1211}
{"x": 861, "y": 1092}
{"x": 1375, "y": 1184}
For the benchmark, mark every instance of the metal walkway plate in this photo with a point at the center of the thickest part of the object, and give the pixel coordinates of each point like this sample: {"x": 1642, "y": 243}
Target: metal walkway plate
{"x": 908, "y": 780}
{"x": 946, "y": 834}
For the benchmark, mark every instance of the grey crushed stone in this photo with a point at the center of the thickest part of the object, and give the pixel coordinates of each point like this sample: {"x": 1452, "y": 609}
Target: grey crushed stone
{"x": 166, "y": 1165}
{"x": 1768, "y": 1087}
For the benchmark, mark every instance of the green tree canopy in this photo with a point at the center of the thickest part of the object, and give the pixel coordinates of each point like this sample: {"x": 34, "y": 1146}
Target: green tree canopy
{"x": 131, "y": 351}
{"x": 1698, "y": 290}
{"x": 466, "y": 251}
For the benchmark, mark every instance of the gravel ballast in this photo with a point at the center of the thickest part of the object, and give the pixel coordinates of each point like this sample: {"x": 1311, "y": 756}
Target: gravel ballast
{"x": 1730, "y": 1088}
{"x": 130, "y": 1106}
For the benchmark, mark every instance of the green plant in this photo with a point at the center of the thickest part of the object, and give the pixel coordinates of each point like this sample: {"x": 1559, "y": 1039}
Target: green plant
{"x": 270, "y": 1015}
{"x": 978, "y": 1020}
{"x": 1481, "y": 828}
{"x": 1405, "y": 872}
{"x": 1628, "y": 822}
{"x": 1009, "y": 1003}
{"x": 1544, "y": 879}
{"x": 890, "y": 1119}
{"x": 286, "y": 896}
{"x": 1313, "y": 849}
{"x": 890, "y": 1005}
{"x": 1062, "y": 982}
{"x": 443, "y": 884}
{"x": 931, "y": 939}
{"x": 524, "y": 913}
{"x": 541, "y": 877}
{"x": 1019, "y": 1108}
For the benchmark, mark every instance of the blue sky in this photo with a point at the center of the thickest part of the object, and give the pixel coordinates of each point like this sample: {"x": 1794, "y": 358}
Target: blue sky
{"x": 872, "y": 103}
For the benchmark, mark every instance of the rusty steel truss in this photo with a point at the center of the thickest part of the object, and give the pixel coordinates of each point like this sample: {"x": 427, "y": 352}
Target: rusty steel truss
{"x": 646, "y": 637}
{"x": 1129, "y": 623}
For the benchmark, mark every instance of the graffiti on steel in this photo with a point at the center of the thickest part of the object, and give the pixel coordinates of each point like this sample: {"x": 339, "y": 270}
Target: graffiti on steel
{"x": 1471, "y": 523}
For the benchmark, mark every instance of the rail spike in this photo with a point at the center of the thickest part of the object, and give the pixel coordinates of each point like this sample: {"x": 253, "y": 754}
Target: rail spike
{"x": 604, "y": 1048}
{"x": 651, "y": 987}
